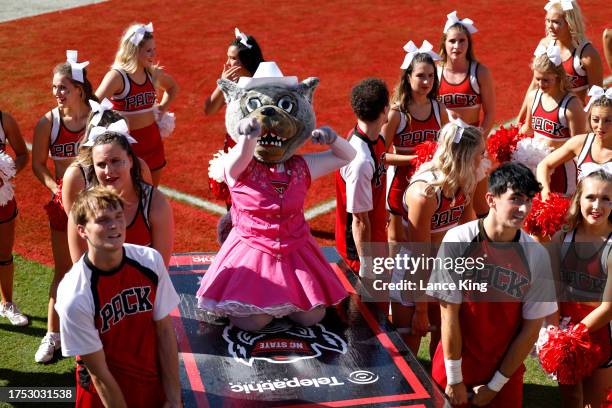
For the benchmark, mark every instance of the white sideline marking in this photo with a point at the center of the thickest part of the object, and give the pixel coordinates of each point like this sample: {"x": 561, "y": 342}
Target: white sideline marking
{"x": 192, "y": 200}
{"x": 16, "y": 9}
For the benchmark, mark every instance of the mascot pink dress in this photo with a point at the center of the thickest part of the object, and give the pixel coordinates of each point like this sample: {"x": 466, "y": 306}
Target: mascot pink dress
{"x": 270, "y": 265}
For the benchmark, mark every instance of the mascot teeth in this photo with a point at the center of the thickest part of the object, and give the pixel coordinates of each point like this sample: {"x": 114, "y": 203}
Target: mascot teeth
{"x": 271, "y": 139}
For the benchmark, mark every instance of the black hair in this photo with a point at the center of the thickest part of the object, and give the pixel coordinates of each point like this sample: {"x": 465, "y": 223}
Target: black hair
{"x": 514, "y": 176}
{"x": 369, "y": 98}
{"x": 250, "y": 58}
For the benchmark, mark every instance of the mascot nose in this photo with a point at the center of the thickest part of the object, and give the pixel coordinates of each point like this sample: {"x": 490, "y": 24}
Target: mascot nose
{"x": 268, "y": 111}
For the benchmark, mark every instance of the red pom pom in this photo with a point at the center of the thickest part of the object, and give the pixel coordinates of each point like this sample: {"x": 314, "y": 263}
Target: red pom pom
{"x": 424, "y": 153}
{"x": 55, "y": 210}
{"x": 220, "y": 191}
{"x": 502, "y": 143}
{"x": 569, "y": 354}
{"x": 547, "y": 217}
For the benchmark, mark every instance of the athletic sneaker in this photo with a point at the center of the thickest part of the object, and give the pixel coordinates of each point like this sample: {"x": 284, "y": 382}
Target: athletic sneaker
{"x": 48, "y": 346}
{"x": 11, "y": 312}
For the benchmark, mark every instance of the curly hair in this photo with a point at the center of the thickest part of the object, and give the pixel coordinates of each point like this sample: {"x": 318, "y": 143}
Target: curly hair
{"x": 369, "y": 98}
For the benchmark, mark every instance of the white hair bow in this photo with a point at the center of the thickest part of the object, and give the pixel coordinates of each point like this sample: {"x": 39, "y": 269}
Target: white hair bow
{"x": 452, "y": 19}
{"x": 597, "y": 92}
{"x": 76, "y": 67}
{"x": 589, "y": 168}
{"x": 553, "y": 52}
{"x": 99, "y": 109}
{"x": 140, "y": 33}
{"x": 412, "y": 50}
{"x": 243, "y": 38}
{"x": 120, "y": 127}
{"x": 565, "y": 4}
{"x": 461, "y": 126}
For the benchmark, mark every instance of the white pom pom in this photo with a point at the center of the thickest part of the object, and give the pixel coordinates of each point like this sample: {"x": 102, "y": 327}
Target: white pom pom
{"x": 165, "y": 122}
{"x": 216, "y": 167}
{"x": 530, "y": 153}
{"x": 7, "y": 172}
{"x": 483, "y": 169}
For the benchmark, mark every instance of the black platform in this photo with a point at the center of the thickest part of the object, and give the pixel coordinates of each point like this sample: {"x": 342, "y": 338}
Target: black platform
{"x": 353, "y": 358}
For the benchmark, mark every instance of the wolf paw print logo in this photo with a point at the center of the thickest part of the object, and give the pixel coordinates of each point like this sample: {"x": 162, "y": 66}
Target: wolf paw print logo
{"x": 282, "y": 343}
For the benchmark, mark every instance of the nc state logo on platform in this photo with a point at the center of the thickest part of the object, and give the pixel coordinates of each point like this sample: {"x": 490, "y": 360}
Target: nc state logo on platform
{"x": 282, "y": 342}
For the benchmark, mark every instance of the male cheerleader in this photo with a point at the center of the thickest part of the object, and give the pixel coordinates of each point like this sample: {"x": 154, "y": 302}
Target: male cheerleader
{"x": 114, "y": 307}
{"x": 487, "y": 335}
{"x": 361, "y": 215}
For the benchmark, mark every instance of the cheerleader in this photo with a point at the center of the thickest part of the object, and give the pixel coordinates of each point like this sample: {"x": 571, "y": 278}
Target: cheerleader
{"x": 594, "y": 147}
{"x": 110, "y": 161}
{"x": 416, "y": 116}
{"x": 131, "y": 85}
{"x": 9, "y": 134}
{"x": 58, "y": 133}
{"x": 565, "y": 29}
{"x": 586, "y": 251}
{"x": 243, "y": 58}
{"x": 555, "y": 114}
{"x": 438, "y": 198}
{"x": 466, "y": 86}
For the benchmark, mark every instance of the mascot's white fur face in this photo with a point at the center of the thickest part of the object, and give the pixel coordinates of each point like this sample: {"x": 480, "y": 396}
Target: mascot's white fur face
{"x": 285, "y": 114}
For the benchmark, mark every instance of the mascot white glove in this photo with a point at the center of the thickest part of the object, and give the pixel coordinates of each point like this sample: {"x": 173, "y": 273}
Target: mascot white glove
{"x": 249, "y": 128}
{"x": 324, "y": 136}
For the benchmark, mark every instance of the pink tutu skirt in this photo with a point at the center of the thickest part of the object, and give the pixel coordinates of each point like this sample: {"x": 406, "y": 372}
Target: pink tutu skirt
{"x": 243, "y": 281}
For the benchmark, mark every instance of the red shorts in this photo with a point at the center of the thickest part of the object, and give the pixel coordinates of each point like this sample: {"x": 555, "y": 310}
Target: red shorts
{"x": 563, "y": 179}
{"x": 58, "y": 220}
{"x": 603, "y": 337}
{"x": 137, "y": 393}
{"x": 397, "y": 183}
{"x": 8, "y": 211}
{"x": 480, "y": 373}
{"x": 150, "y": 147}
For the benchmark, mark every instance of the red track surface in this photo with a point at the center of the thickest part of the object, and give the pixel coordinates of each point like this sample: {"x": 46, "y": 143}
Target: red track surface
{"x": 340, "y": 42}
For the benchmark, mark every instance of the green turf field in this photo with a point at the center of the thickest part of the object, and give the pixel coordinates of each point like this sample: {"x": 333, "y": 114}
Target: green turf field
{"x": 17, "y": 366}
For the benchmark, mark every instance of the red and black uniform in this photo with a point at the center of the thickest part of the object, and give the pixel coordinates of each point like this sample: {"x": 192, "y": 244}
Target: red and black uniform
{"x": 116, "y": 311}
{"x": 518, "y": 278}
{"x": 63, "y": 145}
{"x": 138, "y": 232}
{"x": 360, "y": 187}
{"x": 585, "y": 280}
{"x": 553, "y": 126}
{"x": 138, "y": 98}
{"x": 576, "y": 74}
{"x": 8, "y": 211}
{"x": 465, "y": 94}
{"x": 410, "y": 133}
{"x": 449, "y": 210}
{"x": 586, "y": 154}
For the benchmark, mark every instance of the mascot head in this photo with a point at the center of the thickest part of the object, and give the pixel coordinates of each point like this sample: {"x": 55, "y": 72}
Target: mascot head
{"x": 282, "y": 106}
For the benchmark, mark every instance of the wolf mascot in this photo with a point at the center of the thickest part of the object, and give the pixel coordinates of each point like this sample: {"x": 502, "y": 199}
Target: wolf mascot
{"x": 270, "y": 265}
